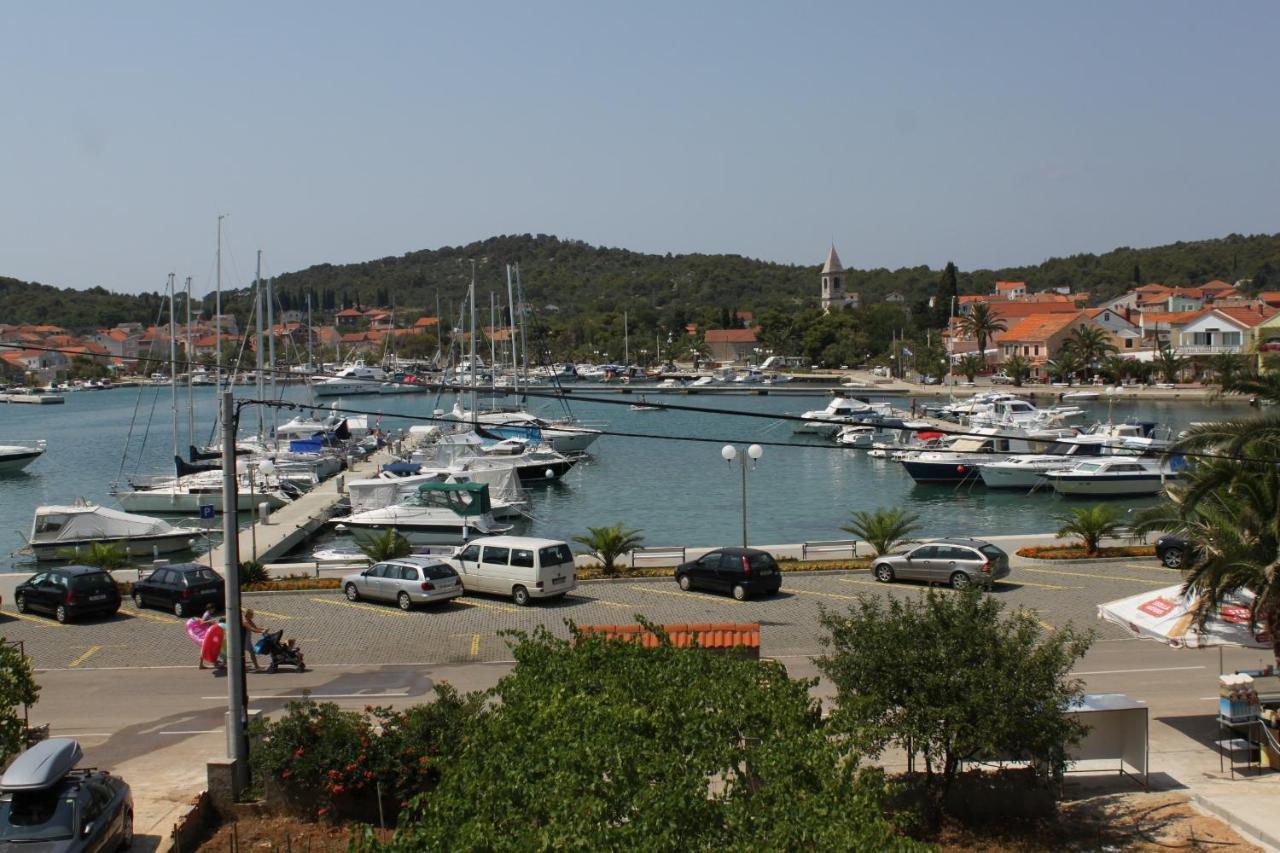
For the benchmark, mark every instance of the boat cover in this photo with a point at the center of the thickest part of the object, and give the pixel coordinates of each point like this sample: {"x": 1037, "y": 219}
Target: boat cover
{"x": 93, "y": 522}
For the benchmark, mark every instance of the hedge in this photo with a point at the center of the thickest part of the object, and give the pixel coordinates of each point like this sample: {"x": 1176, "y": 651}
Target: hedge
{"x": 1075, "y": 552}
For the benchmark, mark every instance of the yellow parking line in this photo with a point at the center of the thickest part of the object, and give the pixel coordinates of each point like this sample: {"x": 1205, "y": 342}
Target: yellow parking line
{"x": 827, "y": 594}
{"x": 154, "y": 617}
{"x": 918, "y": 584}
{"x": 48, "y": 623}
{"x": 383, "y": 611}
{"x": 502, "y": 607}
{"x": 1147, "y": 581}
{"x": 1150, "y": 567}
{"x": 272, "y": 615}
{"x": 475, "y": 645}
{"x": 1036, "y": 585}
{"x": 689, "y": 595}
{"x": 615, "y": 604}
{"x": 89, "y": 652}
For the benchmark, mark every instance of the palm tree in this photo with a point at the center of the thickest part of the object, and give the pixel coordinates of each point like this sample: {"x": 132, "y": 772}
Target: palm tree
{"x": 102, "y": 555}
{"x": 1090, "y": 524}
{"x": 969, "y": 366}
{"x": 1064, "y": 365}
{"x": 1259, "y": 386}
{"x": 1115, "y": 368}
{"x": 884, "y": 529}
{"x": 386, "y": 545}
{"x": 982, "y": 325}
{"x": 1168, "y": 363}
{"x": 1227, "y": 366}
{"x": 1017, "y": 368}
{"x": 607, "y": 544}
{"x": 1090, "y": 344}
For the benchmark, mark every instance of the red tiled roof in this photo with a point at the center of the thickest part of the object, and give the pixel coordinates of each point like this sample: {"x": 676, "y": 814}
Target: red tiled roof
{"x": 350, "y": 312}
{"x": 1151, "y": 288}
{"x": 423, "y": 322}
{"x": 727, "y": 636}
{"x": 1250, "y": 317}
{"x": 1011, "y": 285}
{"x": 1176, "y": 318}
{"x": 1008, "y": 311}
{"x": 965, "y": 300}
{"x": 1039, "y": 327}
{"x": 1215, "y": 286}
{"x": 730, "y": 336}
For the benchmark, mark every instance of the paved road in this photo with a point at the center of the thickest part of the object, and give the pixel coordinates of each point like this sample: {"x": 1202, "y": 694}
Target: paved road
{"x": 129, "y": 688}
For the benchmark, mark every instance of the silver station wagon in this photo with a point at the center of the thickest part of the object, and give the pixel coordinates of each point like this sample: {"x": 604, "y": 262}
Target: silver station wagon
{"x": 406, "y": 581}
{"x": 958, "y": 562}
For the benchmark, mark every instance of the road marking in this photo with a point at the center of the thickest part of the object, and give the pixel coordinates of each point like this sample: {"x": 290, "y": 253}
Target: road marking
{"x": 196, "y": 732}
{"x": 827, "y": 594}
{"x": 1146, "y": 581}
{"x": 1036, "y": 585}
{"x": 89, "y": 652}
{"x": 615, "y": 604}
{"x": 687, "y": 595}
{"x": 154, "y": 617}
{"x": 84, "y": 734}
{"x": 918, "y": 585}
{"x": 503, "y": 607}
{"x": 395, "y": 694}
{"x": 25, "y": 618}
{"x": 1125, "y": 671}
{"x": 381, "y": 611}
{"x": 272, "y": 615}
{"x": 475, "y": 645}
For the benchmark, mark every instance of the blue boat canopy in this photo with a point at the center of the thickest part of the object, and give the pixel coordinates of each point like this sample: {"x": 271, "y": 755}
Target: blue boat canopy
{"x": 42, "y": 766}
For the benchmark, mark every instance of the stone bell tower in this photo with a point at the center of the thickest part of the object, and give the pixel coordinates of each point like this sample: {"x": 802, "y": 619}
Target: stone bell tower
{"x": 833, "y": 294}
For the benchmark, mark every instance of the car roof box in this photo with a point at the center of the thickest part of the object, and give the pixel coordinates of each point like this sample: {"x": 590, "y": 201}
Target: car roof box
{"x": 42, "y": 766}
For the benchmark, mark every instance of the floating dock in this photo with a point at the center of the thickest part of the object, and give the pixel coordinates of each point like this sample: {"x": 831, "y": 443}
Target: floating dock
{"x": 33, "y": 399}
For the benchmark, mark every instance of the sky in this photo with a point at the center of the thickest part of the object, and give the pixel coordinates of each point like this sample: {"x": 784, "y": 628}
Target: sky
{"x": 986, "y": 133}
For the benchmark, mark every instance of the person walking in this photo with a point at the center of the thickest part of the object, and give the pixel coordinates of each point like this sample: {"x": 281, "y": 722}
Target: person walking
{"x": 208, "y": 619}
{"x": 248, "y": 629}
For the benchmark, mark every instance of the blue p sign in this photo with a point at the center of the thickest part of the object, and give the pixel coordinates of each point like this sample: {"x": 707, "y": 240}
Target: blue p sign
{"x": 206, "y": 512}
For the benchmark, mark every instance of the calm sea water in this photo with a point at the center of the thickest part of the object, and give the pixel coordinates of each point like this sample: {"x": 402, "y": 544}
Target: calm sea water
{"x": 676, "y": 492}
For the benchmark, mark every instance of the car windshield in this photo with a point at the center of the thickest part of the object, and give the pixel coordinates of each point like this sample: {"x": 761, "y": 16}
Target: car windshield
{"x": 199, "y": 576}
{"x": 46, "y": 815}
{"x": 96, "y": 582}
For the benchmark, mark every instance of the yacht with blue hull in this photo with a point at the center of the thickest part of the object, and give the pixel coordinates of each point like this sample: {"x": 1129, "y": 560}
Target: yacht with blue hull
{"x": 962, "y": 460}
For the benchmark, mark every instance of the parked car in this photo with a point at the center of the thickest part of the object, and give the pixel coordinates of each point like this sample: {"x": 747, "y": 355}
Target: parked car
{"x": 1172, "y": 551}
{"x": 48, "y": 805}
{"x": 958, "y": 562}
{"x": 185, "y": 588}
{"x": 1001, "y": 378}
{"x": 406, "y": 581}
{"x": 738, "y": 571}
{"x": 68, "y": 592}
{"x": 522, "y": 567}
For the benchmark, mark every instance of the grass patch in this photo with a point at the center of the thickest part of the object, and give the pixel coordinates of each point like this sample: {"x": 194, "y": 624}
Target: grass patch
{"x": 1076, "y": 552}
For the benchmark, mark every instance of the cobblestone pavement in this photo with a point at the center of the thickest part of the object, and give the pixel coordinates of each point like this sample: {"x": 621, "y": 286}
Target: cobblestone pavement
{"x": 333, "y": 630}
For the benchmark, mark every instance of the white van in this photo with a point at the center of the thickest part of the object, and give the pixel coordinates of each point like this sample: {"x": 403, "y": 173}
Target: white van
{"x": 519, "y": 566}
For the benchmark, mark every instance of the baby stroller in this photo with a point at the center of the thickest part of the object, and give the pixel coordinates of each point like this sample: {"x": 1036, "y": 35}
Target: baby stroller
{"x": 281, "y": 652}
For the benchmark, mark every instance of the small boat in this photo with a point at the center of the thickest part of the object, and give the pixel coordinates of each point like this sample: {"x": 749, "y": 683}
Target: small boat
{"x": 16, "y": 455}
{"x": 57, "y": 532}
{"x": 440, "y": 513}
{"x": 703, "y": 381}
{"x": 857, "y": 436}
{"x": 1115, "y": 477}
{"x": 1081, "y": 395}
{"x": 839, "y": 412}
{"x": 645, "y": 406}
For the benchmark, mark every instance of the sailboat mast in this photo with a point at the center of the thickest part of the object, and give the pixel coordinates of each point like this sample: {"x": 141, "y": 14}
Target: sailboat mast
{"x": 217, "y": 308}
{"x": 515, "y": 362}
{"x": 472, "y": 297}
{"x": 310, "y": 359}
{"x": 524, "y": 333}
{"x": 271, "y": 344}
{"x": 493, "y": 345}
{"x": 626, "y": 342}
{"x": 173, "y": 363}
{"x": 257, "y": 295}
{"x": 191, "y": 403}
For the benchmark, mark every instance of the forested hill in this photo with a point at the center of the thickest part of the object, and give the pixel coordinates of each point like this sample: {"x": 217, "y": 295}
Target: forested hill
{"x": 661, "y": 290}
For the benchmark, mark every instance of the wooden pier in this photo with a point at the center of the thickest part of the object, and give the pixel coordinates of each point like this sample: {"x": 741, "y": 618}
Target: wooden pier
{"x": 294, "y": 523}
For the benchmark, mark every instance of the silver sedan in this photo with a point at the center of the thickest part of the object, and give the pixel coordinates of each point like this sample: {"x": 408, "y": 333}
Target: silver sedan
{"x": 406, "y": 581}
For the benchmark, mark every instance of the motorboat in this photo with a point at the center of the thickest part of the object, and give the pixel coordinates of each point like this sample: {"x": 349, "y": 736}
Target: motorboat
{"x": 1027, "y": 471}
{"x": 839, "y": 412}
{"x": 1020, "y": 414}
{"x": 961, "y": 461}
{"x": 858, "y": 436}
{"x": 438, "y": 513}
{"x": 466, "y": 451}
{"x": 1114, "y": 476}
{"x": 354, "y": 378}
{"x": 187, "y": 493}
{"x": 17, "y": 455}
{"x": 58, "y": 532}
{"x": 400, "y": 480}
{"x": 671, "y": 382}
{"x": 560, "y": 436}
{"x": 703, "y": 382}
{"x": 1081, "y": 395}
{"x": 645, "y": 406}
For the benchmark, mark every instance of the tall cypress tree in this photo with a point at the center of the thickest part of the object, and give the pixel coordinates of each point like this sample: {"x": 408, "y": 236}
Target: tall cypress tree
{"x": 948, "y": 289}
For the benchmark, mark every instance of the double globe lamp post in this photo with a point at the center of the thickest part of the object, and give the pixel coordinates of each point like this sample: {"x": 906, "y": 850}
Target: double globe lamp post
{"x": 729, "y": 453}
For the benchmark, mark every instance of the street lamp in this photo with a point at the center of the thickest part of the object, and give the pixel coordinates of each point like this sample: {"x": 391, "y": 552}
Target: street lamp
{"x": 729, "y": 453}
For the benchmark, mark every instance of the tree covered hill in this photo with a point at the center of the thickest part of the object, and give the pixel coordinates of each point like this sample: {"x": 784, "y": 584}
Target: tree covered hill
{"x": 659, "y": 291}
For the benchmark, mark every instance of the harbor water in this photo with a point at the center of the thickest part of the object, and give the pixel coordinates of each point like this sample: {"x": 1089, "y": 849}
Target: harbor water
{"x": 677, "y": 491}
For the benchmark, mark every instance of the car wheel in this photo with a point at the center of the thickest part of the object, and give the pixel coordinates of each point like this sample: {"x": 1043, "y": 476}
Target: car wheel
{"x": 1172, "y": 558}
{"x": 884, "y": 573}
{"x": 684, "y": 582}
{"x": 126, "y": 834}
{"x": 352, "y": 593}
{"x": 178, "y": 609}
{"x": 61, "y": 613}
{"x": 739, "y": 592}
{"x": 960, "y": 580}
{"x": 20, "y": 602}
{"x": 137, "y": 600}
{"x": 404, "y": 601}
{"x": 520, "y": 596}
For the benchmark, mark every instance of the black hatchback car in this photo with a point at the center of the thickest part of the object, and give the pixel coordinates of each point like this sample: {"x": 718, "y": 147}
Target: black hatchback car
{"x": 185, "y": 589}
{"x": 739, "y": 571}
{"x": 1172, "y": 551}
{"x": 68, "y": 592}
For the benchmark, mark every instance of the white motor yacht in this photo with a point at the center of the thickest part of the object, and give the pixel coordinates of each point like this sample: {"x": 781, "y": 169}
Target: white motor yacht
{"x": 839, "y": 412}
{"x": 560, "y": 436}
{"x": 1114, "y": 476}
{"x": 58, "y": 532}
{"x": 185, "y": 495}
{"x": 507, "y": 497}
{"x": 355, "y": 378}
{"x": 857, "y": 435}
{"x": 439, "y": 513}
{"x": 16, "y": 455}
{"x": 961, "y": 460}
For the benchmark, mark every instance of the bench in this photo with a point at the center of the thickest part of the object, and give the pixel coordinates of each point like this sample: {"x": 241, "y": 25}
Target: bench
{"x": 830, "y": 548}
{"x": 669, "y": 553}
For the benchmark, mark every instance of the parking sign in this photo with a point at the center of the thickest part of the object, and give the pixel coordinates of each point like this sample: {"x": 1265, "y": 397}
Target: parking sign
{"x": 206, "y": 512}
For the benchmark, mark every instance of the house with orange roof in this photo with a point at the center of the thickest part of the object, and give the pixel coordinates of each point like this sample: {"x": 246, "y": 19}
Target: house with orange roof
{"x": 327, "y": 336}
{"x": 423, "y": 324}
{"x": 1039, "y": 337}
{"x": 1011, "y": 289}
{"x": 349, "y": 317}
{"x": 1160, "y": 328}
{"x": 1125, "y": 334}
{"x": 1012, "y": 312}
{"x": 734, "y": 345}
{"x": 1217, "y": 331}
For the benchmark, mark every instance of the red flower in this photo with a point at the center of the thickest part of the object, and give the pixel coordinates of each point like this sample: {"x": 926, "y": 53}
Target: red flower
{"x": 297, "y": 753}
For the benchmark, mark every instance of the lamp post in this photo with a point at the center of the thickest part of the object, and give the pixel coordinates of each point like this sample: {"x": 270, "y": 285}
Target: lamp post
{"x": 729, "y": 453}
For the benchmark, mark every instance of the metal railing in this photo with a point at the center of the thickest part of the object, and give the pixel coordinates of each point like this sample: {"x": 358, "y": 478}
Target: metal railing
{"x": 830, "y": 548}
{"x": 674, "y": 552}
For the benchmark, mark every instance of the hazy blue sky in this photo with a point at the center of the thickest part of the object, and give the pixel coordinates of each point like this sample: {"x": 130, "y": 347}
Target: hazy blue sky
{"x": 910, "y": 132}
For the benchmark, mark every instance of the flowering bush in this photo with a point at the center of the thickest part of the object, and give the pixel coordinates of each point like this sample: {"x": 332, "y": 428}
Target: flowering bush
{"x": 1076, "y": 552}
{"x": 293, "y": 584}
